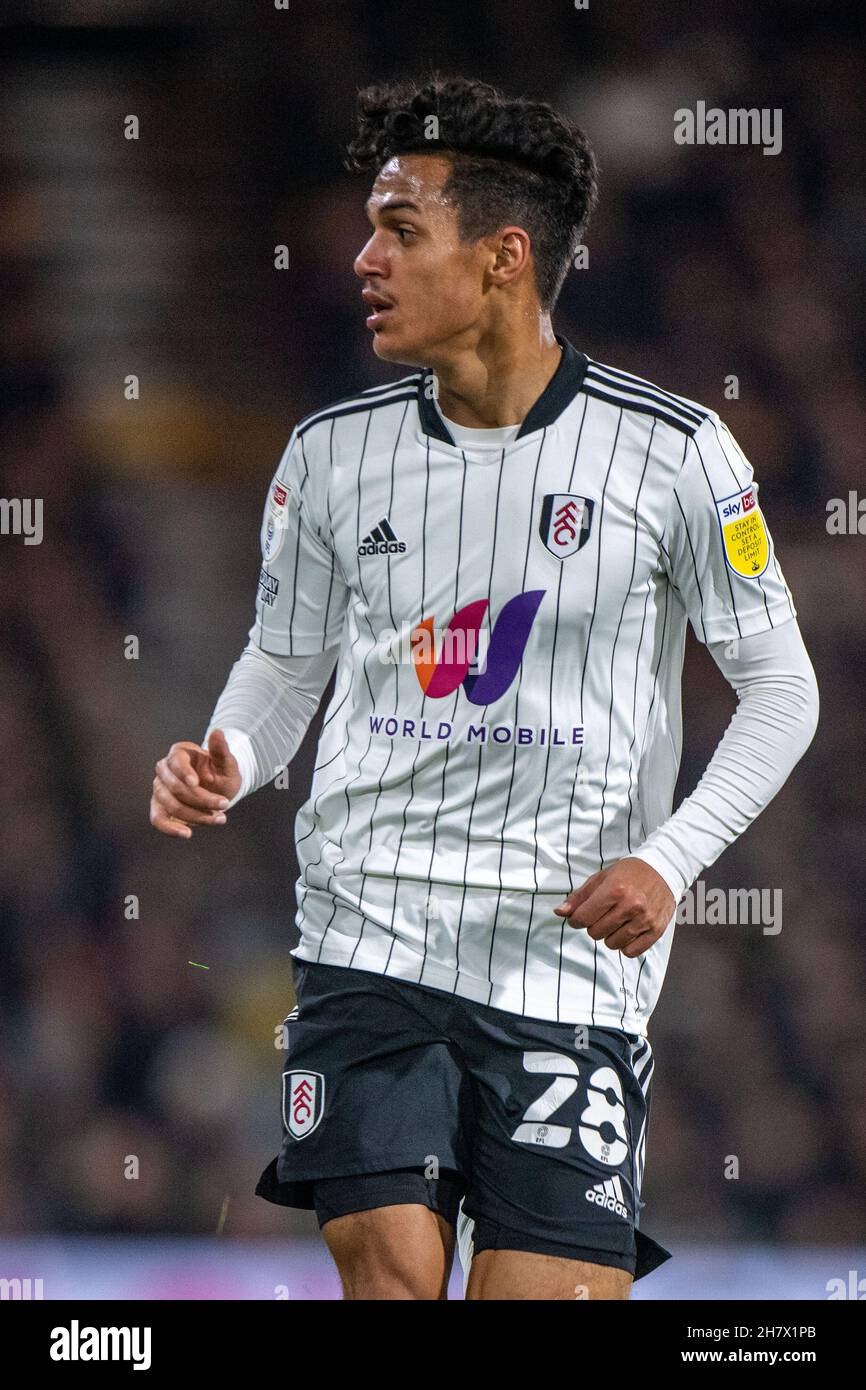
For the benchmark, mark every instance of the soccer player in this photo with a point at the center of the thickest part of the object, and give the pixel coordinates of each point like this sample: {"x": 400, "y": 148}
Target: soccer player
{"x": 500, "y": 553}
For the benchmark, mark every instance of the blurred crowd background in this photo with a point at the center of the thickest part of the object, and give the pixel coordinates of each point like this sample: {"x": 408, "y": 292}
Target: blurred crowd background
{"x": 154, "y": 257}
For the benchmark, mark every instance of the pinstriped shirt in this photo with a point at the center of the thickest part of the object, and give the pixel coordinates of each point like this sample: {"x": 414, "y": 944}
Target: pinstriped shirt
{"x": 506, "y": 717}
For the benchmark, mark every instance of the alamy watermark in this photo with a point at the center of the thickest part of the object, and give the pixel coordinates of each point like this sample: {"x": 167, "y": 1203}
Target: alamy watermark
{"x": 739, "y": 126}
{"x": 731, "y": 907}
{"x": 22, "y": 516}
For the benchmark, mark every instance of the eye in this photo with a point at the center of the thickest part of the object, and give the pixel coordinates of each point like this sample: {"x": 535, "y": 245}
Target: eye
{"x": 404, "y": 231}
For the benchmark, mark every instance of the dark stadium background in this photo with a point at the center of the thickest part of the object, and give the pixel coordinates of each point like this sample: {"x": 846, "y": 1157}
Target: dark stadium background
{"x": 155, "y": 257}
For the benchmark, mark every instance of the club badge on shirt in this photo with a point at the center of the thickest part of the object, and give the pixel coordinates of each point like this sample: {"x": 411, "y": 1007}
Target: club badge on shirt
{"x": 744, "y": 535}
{"x": 565, "y": 522}
{"x": 276, "y": 521}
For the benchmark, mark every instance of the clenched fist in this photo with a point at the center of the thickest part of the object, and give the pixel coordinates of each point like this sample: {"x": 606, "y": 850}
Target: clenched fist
{"x": 628, "y": 906}
{"x": 193, "y": 786}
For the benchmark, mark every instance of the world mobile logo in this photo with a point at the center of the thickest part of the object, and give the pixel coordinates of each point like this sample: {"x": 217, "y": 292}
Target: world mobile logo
{"x": 441, "y": 667}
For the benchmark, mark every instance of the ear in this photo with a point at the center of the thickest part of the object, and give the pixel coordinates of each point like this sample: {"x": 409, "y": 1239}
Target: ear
{"x": 512, "y": 253}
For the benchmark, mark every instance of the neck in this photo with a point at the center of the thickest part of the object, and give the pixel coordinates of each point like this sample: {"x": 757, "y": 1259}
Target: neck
{"x": 498, "y": 380}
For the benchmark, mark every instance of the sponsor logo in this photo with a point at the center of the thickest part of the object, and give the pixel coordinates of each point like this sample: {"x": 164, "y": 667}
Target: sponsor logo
{"x": 422, "y": 731}
{"x": 269, "y": 587}
{"x": 609, "y": 1194}
{"x": 565, "y": 523}
{"x": 503, "y": 657}
{"x": 381, "y": 541}
{"x": 744, "y": 535}
{"x": 303, "y": 1101}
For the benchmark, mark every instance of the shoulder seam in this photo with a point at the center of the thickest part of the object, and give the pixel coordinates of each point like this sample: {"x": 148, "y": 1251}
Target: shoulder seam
{"x": 365, "y": 400}
{"x": 637, "y": 393}
{"x": 642, "y": 408}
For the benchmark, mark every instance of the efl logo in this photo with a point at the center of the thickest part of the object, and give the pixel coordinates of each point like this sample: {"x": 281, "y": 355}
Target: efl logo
{"x": 303, "y": 1101}
{"x": 504, "y": 653}
{"x": 276, "y": 521}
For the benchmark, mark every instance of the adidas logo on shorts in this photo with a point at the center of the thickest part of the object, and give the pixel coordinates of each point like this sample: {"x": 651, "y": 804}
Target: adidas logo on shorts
{"x": 609, "y": 1194}
{"x": 381, "y": 541}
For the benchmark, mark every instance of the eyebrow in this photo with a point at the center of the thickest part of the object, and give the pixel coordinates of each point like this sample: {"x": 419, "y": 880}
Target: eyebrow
{"x": 393, "y": 206}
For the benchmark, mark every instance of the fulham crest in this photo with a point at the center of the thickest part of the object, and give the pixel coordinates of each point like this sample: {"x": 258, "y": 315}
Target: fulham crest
{"x": 303, "y": 1101}
{"x": 565, "y": 522}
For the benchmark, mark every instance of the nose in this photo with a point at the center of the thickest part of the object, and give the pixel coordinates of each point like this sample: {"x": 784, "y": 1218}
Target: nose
{"x": 370, "y": 261}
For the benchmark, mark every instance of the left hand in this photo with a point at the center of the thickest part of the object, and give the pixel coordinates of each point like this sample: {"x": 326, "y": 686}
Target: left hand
{"x": 628, "y": 906}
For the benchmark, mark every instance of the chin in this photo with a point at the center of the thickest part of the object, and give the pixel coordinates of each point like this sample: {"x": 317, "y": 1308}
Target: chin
{"x": 393, "y": 349}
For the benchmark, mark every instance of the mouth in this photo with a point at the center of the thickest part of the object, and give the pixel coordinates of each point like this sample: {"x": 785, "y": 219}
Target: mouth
{"x": 379, "y": 309}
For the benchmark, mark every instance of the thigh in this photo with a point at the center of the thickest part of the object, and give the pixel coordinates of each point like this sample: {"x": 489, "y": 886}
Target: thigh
{"x": 558, "y": 1134}
{"x": 394, "y": 1252}
{"x": 516, "y": 1274}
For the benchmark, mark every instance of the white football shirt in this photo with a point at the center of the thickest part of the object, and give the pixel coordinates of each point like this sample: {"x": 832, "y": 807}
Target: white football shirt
{"x": 506, "y": 718}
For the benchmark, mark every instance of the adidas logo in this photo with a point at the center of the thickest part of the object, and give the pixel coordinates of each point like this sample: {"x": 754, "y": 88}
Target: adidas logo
{"x": 609, "y": 1194}
{"x": 381, "y": 541}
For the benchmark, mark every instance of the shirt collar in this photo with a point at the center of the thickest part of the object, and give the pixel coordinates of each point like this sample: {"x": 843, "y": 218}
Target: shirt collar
{"x": 557, "y": 394}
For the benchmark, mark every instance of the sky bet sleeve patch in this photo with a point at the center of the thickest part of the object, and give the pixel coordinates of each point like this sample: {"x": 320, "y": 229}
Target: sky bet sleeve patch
{"x": 744, "y": 535}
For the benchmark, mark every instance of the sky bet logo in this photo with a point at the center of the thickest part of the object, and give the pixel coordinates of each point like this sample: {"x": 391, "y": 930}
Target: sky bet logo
{"x": 440, "y": 677}
{"x": 743, "y": 505}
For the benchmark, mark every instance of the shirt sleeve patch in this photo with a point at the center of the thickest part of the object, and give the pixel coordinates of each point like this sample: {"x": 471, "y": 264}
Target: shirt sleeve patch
{"x": 744, "y": 535}
{"x": 276, "y": 521}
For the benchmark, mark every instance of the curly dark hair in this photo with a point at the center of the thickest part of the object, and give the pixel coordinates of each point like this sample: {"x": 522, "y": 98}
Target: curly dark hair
{"x": 513, "y": 160}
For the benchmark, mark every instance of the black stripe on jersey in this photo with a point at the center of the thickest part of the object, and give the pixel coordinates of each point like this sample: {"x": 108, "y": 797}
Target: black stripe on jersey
{"x": 358, "y": 408}
{"x": 769, "y": 538}
{"x": 631, "y": 769}
{"x": 583, "y": 681}
{"x": 495, "y": 537}
{"x": 727, "y": 570}
{"x": 396, "y": 702}
{"x": 377, "y": 535}
{"x": 446, "y": 749}
{"x": 300, "y": 509}
{"x": 637, "y": 1003}
{"x": 297, "y": 556}
{"x": 384, "y": 526}
{"x": 318, "y": 767}
{"x": 625, "y": 599}
{"x": 346, "y": 785}
{"x": 613, "y": 650}
{"x": 626, "y": 403}
{"x": 331, "y": 530}
{"x": 691, "y": 548}
{"x": 548, "y": 750}
{"x": 360, "y": 400}
{"x": 627, "y": 381}
{"x": 511, "y": 779}
{"x": 408, "y": 801}
{"x": 331, "y": 716}
{"x": 384, "y": 771}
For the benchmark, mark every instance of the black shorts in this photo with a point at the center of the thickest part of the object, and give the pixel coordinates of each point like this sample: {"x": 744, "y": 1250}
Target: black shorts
{"x": 395, "y": 1092}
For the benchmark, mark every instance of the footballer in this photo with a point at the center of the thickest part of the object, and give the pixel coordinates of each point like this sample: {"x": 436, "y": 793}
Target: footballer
{"x": 500, "y": 553}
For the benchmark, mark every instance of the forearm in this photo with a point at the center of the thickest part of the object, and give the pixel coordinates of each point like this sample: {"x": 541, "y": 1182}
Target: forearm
{"x": 772, "y": 727}
{"x": 266, "y": 708}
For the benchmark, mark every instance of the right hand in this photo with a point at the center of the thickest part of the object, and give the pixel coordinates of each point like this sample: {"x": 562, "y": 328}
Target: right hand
{"x": 193, "y": 786}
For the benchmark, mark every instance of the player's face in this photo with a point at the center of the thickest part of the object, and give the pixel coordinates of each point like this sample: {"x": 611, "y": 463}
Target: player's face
{"x": 423, "y": 287}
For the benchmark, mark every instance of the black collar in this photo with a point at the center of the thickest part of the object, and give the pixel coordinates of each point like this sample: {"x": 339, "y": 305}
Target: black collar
{"x": 557, "y": 394}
